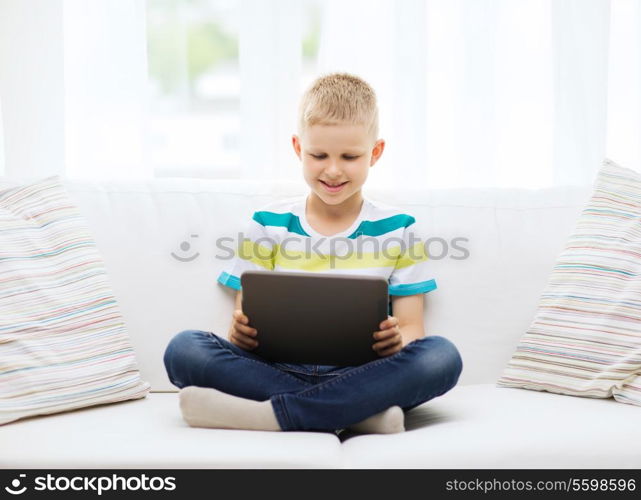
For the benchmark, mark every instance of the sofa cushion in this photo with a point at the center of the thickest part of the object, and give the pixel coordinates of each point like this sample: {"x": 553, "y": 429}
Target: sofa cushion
{"x": 470, "y": 427}
{"x": 484, "y": 427}
{"x": 63, "y": 342}
{"x": 151, "y": 433}
{"x": 585, "y": 339}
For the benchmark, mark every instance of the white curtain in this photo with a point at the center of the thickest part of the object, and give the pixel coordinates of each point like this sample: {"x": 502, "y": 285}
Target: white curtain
{"x": 624, "y": 87}
{"x": 472, "y": 93}
{"x": 384, "y": 42}
{"x": 270, "y": 68}
{"x": 105, "y": 70}
{"x": 73, "y": 88}
{"x": 479, "y": 93}
{"x": 32, "y": 87}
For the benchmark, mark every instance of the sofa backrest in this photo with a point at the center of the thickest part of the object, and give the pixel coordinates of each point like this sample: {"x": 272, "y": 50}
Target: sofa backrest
{"x": 492, "y": 252}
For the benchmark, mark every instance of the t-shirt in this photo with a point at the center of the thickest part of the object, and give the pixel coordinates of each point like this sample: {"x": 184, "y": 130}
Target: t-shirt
{"x": 381, "y": 242}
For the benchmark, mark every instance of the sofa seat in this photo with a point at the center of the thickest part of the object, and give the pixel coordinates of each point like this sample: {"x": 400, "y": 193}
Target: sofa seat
{"x": 472, "y": 426}
{"x": 482, "y": 426}
{"x": 150, "y": 433}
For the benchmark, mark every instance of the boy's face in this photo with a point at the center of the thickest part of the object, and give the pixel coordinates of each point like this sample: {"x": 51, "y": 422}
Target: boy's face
{"x": 336, "y": 159}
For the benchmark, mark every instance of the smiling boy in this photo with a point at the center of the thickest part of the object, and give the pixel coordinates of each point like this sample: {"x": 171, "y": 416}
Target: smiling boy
{"x": 225, "y": 385}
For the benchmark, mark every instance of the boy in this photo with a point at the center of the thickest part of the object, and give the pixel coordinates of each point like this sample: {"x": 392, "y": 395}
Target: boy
{"x": 224, "y": 385}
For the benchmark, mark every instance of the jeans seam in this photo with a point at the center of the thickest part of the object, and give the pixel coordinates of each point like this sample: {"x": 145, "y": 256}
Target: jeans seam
{"x": 222, "y": 346}
{"x": 343, "y": 376}
{"x": 291, "y": 371}
{"x": 355, "y": 370}
{"x": 418, "y": 401}
{"x": 281, "y": 409}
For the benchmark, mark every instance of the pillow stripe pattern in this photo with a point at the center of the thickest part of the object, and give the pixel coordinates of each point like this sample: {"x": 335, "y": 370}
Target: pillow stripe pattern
{"x": 585, "y": 339}
{"x": 63, "y": 343}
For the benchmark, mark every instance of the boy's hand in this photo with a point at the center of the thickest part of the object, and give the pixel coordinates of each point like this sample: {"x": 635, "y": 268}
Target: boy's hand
{"x": 241, "y": 334}
{"x": 388, "y": 338}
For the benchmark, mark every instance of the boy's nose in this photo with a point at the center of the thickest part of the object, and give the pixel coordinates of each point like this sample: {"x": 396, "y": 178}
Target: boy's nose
{"x": 333, "y": 170}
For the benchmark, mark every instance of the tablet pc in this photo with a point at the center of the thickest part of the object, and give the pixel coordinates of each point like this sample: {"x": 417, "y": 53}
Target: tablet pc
{"x": 323, "y": 319}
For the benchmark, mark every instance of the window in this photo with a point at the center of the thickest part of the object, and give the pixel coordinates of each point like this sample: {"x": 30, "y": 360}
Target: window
{"x": 195, "y": 83}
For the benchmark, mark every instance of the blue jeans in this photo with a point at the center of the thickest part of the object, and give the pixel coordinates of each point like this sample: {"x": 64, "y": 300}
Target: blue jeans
{"x": 316, "y": 397}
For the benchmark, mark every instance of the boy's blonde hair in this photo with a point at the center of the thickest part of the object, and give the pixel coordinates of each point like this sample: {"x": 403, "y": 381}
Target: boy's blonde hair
{"x": 339, "y": 98}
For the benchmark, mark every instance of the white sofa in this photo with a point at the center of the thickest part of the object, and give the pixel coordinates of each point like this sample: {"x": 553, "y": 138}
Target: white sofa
{"x": 483, "y": 304}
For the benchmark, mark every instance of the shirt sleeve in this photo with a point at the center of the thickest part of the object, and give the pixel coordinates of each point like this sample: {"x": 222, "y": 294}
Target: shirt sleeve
{"x": 412, "y": 272}
{"x": 254, "y": 251}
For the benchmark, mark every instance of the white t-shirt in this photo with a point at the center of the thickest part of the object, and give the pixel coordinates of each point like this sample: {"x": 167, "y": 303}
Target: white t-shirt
{"x": 381, "y": 242}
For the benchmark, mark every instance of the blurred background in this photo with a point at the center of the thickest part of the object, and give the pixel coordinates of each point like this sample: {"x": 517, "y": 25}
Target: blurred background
{"x": 472, "y": 93}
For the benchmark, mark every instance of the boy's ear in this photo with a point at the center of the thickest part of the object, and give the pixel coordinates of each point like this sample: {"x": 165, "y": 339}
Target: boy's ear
{"x": 377, "y": 151}
{"x": 296, "y": 144}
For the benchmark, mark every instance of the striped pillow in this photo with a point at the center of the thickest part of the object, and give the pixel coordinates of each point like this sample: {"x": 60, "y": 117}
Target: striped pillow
{"x": 63, "y": 344}
{"x": 585, "y": 339}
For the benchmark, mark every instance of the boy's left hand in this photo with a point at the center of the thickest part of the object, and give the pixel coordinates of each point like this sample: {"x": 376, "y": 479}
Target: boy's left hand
{"x": 388, "y": 338}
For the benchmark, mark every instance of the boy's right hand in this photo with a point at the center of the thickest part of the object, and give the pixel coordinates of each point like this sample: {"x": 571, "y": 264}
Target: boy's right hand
{"x": 241, "y": 334}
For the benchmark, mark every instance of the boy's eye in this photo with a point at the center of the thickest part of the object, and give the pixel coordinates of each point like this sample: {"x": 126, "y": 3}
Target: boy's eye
{"x": 321, "y": 157}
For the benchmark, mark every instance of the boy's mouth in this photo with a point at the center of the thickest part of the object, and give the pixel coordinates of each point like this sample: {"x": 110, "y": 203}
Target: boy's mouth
{"x": 334, "y": 187}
